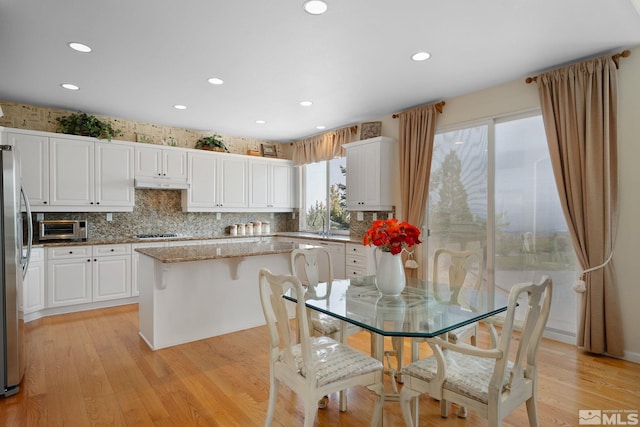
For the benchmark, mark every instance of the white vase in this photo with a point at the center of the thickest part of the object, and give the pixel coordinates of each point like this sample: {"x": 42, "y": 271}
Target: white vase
{"x": 390, "y": 278}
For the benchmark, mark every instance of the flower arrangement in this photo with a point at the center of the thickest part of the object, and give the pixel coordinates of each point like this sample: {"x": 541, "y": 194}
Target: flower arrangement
{"x": 392, "y": 236}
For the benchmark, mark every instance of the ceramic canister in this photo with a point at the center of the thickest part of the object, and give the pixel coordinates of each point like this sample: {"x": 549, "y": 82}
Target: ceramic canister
{"x": 249, "y": 228}
{"x": 266, "y": 229}
{"x": 241, "y": 229}
{"x": 233, "y": 230}
{"x": 257, "y": 227}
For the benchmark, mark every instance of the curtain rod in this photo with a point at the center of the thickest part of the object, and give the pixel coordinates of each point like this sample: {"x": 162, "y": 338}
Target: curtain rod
{"x": 624, "y": 54}
{"x": 438, "y": 106}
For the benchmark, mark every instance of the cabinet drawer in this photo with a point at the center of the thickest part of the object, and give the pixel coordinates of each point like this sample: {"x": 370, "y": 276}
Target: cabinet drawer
{"x": 353, "y": 249}
{"x": 354, "y": 261}
{"x": 355, "y": 272}
{"x": 105, "y": 250}
{"x": 69, "y": 252}
{"x": 335, "y": 248}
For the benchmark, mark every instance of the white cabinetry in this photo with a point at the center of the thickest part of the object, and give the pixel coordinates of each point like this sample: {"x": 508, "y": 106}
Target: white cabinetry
{"x": 135, "y": 262}
{"x": 83, "y": 274}
{"x": 114, "y": 175}
{"x": 87, "y": 175}
{"x": 336, "y": 249}
{"x": 111, "y": 275}
{"x": 218, "y": 183}
{"x": 68, "y": 275}
{"x": 369, "y": 178}
{"x": 359, "y": 260}
{"x": 272, "y": 185}
{"x": 33, "y": 284}
{"x": 34, "y": 159}
{"x": 159, "y": 162}
{"x": 74, "y": 174}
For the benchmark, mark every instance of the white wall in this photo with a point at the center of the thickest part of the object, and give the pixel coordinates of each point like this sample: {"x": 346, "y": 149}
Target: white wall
{"x": 518, "y": 96}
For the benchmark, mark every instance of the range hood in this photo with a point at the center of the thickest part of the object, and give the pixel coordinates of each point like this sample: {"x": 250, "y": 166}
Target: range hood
{"x": 161, "y": 183}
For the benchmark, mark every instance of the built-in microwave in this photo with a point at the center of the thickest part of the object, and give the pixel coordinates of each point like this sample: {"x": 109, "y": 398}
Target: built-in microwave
{"x": 62, "y": 229}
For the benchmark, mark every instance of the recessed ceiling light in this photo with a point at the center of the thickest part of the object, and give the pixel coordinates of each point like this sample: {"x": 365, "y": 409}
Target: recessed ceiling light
{"x": 180, "y": 107}
{"x": 215, "y": 81}
{"x": 315, "y": 7}
{"x": 421, "y": 56}
{"x": 321, "y": 127}
{"x": 306, "y": 103}
{"x": 260, "y": 122}
{"x": 69, "y": 86}
{"x": 80, "y": 47}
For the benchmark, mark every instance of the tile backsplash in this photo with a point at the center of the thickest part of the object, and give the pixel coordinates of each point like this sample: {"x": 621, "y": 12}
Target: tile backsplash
{"x": 160, "y": 211}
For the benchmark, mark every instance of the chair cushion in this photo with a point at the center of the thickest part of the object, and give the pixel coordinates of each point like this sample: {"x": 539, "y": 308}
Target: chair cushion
{"x": 324, "y": 324}
{"x": 335, "y": 361}
{"x": 466, "y": 375}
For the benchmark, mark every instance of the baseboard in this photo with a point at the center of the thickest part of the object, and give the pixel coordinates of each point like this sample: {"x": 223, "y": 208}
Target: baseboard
{"x": 78, "y": 307}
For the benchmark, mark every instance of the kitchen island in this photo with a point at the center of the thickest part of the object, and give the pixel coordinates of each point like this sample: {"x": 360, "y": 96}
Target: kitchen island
{"x": 188, "y": 293}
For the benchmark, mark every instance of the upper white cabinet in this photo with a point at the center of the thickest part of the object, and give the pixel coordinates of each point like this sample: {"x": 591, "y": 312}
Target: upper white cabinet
{"x": 114, "y": 174}
{"x": 272, "y": 185}
{"x": 369, "y": 179}
{"x": 218, "y": 182}
{"x": 74, "y": 174}
{"x": 34, "y": 159}
{"x": 71, "y": 163}
{"x": 87, "y": 175}
{"x": 161, "y": 162}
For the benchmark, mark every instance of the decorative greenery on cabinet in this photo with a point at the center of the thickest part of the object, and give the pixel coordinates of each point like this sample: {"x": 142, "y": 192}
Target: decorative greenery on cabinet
{"x": 84, "y": 124}
{"x": 213, "y": 142}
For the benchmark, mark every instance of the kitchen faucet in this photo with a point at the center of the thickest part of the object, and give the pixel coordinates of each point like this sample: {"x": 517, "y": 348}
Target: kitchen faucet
{"x": 323, "y": 233}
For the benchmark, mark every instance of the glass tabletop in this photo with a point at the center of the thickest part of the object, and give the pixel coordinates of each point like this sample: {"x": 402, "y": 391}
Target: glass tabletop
{"x": 423, "y": 309}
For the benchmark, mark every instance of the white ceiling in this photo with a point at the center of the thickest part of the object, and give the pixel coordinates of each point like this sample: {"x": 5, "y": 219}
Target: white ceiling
{"x": 352, "y": 62}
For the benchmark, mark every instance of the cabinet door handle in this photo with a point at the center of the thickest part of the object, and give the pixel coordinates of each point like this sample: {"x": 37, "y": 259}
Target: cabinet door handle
{"x": 70, "y": 252}
{"x": 94, "y": 260}
{"x": 88, "y": 260}
{"x": 112, "y": 250}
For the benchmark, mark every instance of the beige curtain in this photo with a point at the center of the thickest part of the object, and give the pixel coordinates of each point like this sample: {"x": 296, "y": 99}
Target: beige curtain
{"x": 325, "y": 146}
{"x": 417, "y": 131}
{"x": 579, "y": 109}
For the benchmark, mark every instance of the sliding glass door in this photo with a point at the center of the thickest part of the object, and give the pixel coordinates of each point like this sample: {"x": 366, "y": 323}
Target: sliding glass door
{"x": 492, "y": 191}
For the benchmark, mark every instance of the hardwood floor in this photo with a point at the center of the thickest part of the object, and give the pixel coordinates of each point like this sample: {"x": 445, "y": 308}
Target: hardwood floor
{"x": 91, "y": 368}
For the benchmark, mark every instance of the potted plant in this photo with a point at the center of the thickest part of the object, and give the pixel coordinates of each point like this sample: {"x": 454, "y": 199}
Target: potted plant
{"x": 84, "y": 124}
{"x": 212, "y": 143}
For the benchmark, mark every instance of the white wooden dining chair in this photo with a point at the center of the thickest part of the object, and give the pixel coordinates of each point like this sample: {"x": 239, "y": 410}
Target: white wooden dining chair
{"x": 305, "y": 265}
{"x": 312, "y": 266}
{"x": 492, "y": 382}
{"x": 464, "y": 282}
{"x": 312, "y": 367}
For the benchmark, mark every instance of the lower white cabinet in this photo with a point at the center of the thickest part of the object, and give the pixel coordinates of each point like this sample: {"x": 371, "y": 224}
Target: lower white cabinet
{"x": 359, "y": 260}
{"x": 33, "y": 284}
{"x": 135, "y": 262}
{"x": 111, "y": 272}
{"x": 336, "y": 249}
{"x": 83, "y": 274}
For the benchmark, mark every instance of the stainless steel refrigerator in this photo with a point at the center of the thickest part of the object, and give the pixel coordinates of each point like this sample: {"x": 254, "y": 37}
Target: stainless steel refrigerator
{"x": 13, "y": 266}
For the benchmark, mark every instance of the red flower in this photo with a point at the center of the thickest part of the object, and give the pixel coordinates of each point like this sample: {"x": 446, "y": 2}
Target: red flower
{"x": 392, "y": 236}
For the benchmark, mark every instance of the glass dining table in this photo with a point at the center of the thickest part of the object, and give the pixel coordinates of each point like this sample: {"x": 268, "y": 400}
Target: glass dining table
{"x": 423, "y": 310}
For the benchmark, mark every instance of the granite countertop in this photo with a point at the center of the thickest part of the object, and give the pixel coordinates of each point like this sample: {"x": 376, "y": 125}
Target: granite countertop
{"x": 208, "y": 252}
{"x": 340, "y": 238}
{"x": 130, "y": 239}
